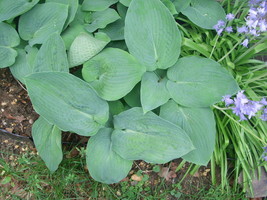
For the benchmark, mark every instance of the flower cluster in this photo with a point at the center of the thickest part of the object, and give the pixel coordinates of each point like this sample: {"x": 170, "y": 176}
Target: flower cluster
{"x": 221, "y": 25}
{"x": 245, "y": 108}
{"x": 255, "y": 21}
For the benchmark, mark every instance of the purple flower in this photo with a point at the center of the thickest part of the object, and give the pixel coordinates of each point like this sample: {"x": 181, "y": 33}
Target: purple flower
{"x": 263, "y": 101}
{"x": 230, "y": 16}
{"x": 242, "y": 29}
{"x": 245, "y": 43}
{"x": 219, "y": 27}
{"x": 264, "y": 115}
{"x": 229, "y": 29}
{"x": 245, "y": 108}
{"x": 227, "y": 99}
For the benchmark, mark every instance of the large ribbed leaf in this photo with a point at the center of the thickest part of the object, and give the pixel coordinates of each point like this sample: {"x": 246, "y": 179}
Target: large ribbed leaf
{"x": 148, "y": 137}
{"x": 72, "y": 5}
{"x": 42, "y": 21}
{"x": 103, "y": 163}
{"x": 97, "y": 5}
{"x": 24, "y": 63}
{"x": 199, "y": 82}
{"x": 52, "y": 56}
{"x": 113, "y": 73}
{"x": 12, "y": 8}
{"x": 8, "y": 38}
{"x": 151, "y": 34}
{"x": 205, "y": 13}
{"x": 101, "y": 19}
{"x": 67, "y": 101}
{"x": 47, "y": 139}
{"x": 199, "y": 124}
{"x": 84, "y": 47}
{"x": 154, "y": 92}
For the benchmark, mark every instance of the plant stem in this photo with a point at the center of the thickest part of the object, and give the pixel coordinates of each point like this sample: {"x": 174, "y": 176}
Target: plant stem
{"x": 214, "y": 46}
{"x": 264, "y": 143}
{"x": 229, "y": 51}
{"x": 250, "y": 49}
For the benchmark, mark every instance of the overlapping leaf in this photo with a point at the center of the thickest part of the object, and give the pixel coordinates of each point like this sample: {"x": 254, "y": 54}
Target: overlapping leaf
{"x": 72, "y": 9}
{"x": 115, "y": 30}
{"x": 8, "y": 38}
{"x": 67, "y": 101}
{"x": 12, "y": 8}
{"x": 151, "y": 34}
{"x": 85, "y": 46}
{"x": 47, "y": 139}
{"x": 154, "y": 92}
{"x": 113, "y": 73}
{"x": 52, "y": 56}
{"x": 199, "y": 82}
{"x": 101, "y": 19}
{"x": 204, "y": 13}
{"x": 97, "y": 5}
{"x": 180, "y": 5}
{"x": 42, "y": 21}
{"x": 199, "y": 124}
{"x": 148, "y": 137}
{"x": 103, "y": 163}
{"x": 24, "y": 63}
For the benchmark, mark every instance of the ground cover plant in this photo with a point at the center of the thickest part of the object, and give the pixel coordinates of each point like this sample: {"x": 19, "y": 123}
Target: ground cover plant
{"x": 152, "y": 72}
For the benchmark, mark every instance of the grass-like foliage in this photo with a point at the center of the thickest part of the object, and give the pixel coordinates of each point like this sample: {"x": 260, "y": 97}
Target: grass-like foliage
{"x": 151, "y": 72}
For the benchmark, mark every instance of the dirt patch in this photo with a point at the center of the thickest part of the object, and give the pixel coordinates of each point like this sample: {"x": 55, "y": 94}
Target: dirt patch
{"x": 17, "y": 114}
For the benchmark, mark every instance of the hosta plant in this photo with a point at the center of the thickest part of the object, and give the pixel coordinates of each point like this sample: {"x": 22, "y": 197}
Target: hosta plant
{"x": 137, "y": 98}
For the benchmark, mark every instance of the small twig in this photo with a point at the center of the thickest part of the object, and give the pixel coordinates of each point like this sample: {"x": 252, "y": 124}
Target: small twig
{"x": 21, "y": 84}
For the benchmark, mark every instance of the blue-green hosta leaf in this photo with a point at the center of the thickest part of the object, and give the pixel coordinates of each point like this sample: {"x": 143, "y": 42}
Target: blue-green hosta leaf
{"x": 103, "y": 163}
{"x": 133, "y": 98}
{"x": 125, "y": 2}
{"x": 101, "y": 19}
{"x": 115, "y": 107}
{"x": 52, "y": 56}
{"x": 151, "y": 34}
{"x": 47, "y": 140}
{"x": 153, "y": 91}
{"x": 7, "y": 56}
{"x": 12, "y": 8}
{"x": 199, "y": 82}
{"x": 71, "y": 33}
{"x": 122, "y": 10}
{"x": 169, "y": 4}
{"x": 8, "y": 38}
{"x": 72, "y": 9}
{"x": 205, "y": 13}
{"x": 113, "y": 73}
{"x": 42, "y": 21}
{"x": 180, "y": 5}
{"x": 24, "y": 63}
{"x": 199, "y": 124}
{"x": 85, "y": 46}
{"x": 148, "y": 137}
{"x": 97, "y": 5}
{"x": 115, "y": 30}
{"x": 67, "y": 101}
